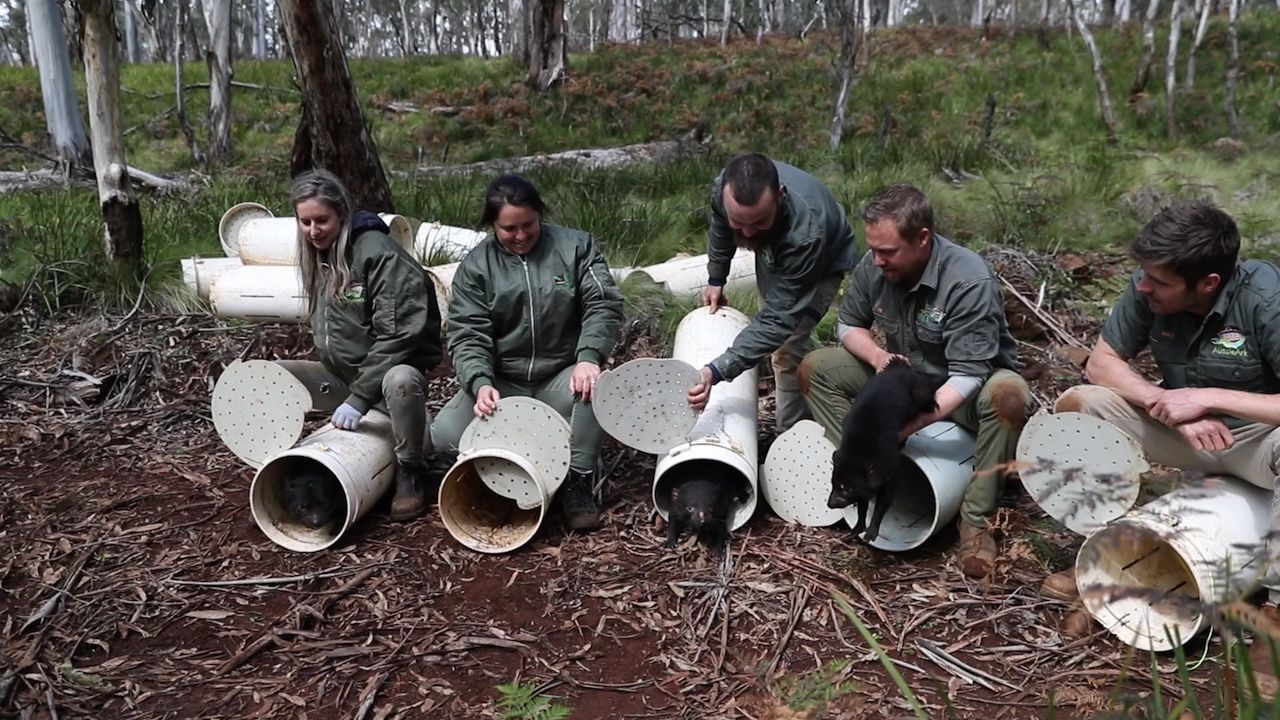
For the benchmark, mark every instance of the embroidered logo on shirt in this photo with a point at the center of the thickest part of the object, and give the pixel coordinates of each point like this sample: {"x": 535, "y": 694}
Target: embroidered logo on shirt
{"x": 560, "y": 280}
{"x": 355, "y": 293}
{"x": 1229, "y": 342}
{"x": 930, "y": 315}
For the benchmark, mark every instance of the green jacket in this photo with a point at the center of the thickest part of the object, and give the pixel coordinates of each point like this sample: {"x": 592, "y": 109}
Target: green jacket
{"x": 951, "y": 322}
{"x": 527, "y": 318}
{"x": 387, "y": 317}
{"x": 815, "y": 243}
{"x": 1236, "y": 346}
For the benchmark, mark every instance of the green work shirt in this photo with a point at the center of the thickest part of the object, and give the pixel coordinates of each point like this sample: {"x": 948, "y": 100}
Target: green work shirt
{"x": 951, "y": 322}
{"x": 1236, "y": 346}
{"x": 815, "y": 242}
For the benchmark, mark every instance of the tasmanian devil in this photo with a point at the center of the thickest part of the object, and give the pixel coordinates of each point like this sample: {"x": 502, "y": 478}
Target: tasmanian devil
{"x": 866, "y": 464}
{"x": 314, "y": 498}
{"x": 702, "y": 497}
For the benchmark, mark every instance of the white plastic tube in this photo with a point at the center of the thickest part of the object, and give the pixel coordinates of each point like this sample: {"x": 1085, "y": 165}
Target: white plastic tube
{"x": 726, "y": 432}
{"x": 688, "y": 275}
{"x": 435, "y": 241}
{"x": 929, "y": 490}
{"x": 361, "y": 461}
{"x": 274, "y": 241}
{"x": 482, "y": 519}
{"x": 265, "y": 293}
{"x": 199, "y": 273}
{"x": 1150, "y": 576}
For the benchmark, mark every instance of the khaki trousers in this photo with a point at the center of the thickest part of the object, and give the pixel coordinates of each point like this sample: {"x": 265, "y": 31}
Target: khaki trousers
{"x": 404, "y": 398}
{"x": 585, "y": 434}
{"x": 831, "y": 377}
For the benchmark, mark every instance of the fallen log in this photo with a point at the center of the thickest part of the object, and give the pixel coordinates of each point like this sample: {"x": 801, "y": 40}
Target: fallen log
{"x": 583, "y": 159}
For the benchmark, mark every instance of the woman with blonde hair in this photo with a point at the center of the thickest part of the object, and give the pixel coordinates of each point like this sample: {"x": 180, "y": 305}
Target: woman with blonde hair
{"x": 376, "y": 325}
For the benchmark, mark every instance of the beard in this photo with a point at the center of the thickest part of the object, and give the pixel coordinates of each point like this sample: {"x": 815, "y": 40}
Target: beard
{"x": 761, "y": 241}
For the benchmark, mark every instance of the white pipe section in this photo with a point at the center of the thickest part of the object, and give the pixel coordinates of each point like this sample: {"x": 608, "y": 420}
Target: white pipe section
{"x": 726, "y": 432}
{"x": 199, "y": 273}
{"x": 265, "y": 293}
{"x": 436, "y": 241}
{"x": 688, "y": 275}
{"x": 1150, "y": 576}
{"x": 274, "y": 240}
{"x": 929, "y": 489}
{"x": 230, "y": 222}
{"x": 482, "y": 519}
{"x": 361, "y": 461}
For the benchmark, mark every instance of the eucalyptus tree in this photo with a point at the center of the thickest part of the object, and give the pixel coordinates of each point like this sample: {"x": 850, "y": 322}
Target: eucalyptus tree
{"x": 333, "y": 133}
{"x": 120, "y": 211}
{"x": 217, "y": 18}
{"x": 57, "y": 87}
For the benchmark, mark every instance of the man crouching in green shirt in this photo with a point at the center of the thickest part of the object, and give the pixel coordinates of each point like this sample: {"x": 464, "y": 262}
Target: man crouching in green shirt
{"x": 940, "y": 307}
{"x": 1213, "y": 326}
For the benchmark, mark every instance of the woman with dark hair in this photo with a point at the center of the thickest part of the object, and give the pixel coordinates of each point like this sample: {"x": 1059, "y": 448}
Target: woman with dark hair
{"x": 535, "y": 312}
{"x": 376, "y": 325}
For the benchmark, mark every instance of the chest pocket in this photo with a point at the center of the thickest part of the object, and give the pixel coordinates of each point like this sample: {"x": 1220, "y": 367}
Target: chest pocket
{"x": 892, "y": 329}
{"x": 1232, "y": 374}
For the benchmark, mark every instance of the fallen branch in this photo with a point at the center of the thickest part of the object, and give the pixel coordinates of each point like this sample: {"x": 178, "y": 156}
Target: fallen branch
{"x": 585, "y": 159}
{"x": 1050, "y": 324}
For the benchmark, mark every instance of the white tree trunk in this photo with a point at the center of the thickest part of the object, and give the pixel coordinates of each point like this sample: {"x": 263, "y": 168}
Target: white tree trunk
{"x": 518, "y": 21}
{"x": 895, "y": 10}
{"x": 622, "y": 21}
{"x": 726, "y": 24}
{"x": 1205, "y": 7}
{"x": 120, "y": 211}
{"x": 1148, "y": 51}
{"x": 1171, "y": 70}
{"x": 979, "y": 13}
{"x": 1233, "y": 68}
{"x": 762, "y": 20}
{"x": 1125, "y": 9}
{"x": 131, "y": 50}
{"x": 217, "y": 17}
{"x": 1099, "y": 75}
{"x": 57, "y": 86}
{"x": 406, "y": 30}
{"x": 260, "y": 29}
{"x": 850, "y": 36}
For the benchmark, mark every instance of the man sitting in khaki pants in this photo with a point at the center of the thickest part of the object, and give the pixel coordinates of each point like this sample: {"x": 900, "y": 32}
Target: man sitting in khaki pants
{"x": 1213, "y": 326}
{"x": 940, "y": 307}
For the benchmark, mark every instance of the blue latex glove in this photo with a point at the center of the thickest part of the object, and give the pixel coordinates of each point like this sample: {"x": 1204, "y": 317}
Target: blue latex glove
{"x": 346, "y": 417}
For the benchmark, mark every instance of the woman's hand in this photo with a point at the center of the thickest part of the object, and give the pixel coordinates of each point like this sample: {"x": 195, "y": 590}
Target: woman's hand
{"x": 486, "y": 401}
{"x": 346, "y": 417}
{"x": 583, "y": 380}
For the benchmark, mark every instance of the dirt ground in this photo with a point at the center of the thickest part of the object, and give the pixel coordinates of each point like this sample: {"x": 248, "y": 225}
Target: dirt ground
{"x": 134, "y": 584}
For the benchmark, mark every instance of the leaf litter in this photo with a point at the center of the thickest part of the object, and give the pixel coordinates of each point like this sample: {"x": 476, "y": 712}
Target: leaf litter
{"x": 134, "y": 584}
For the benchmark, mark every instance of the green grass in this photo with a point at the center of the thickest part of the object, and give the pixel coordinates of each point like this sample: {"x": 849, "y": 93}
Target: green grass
{"x": 1045, "y": 180}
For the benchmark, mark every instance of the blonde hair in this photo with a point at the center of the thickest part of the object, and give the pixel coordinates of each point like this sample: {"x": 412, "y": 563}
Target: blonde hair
{"x": 324, "y": 186}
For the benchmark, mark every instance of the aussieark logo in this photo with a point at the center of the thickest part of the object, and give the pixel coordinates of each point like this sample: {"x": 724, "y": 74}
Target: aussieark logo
{"x": 1229, "y": 342}
{"x": 560, "y": 280}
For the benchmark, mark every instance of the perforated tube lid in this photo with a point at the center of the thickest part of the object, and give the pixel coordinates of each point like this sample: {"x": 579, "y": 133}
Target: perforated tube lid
{"x": 531, "y": 429}
{"x": 1083, "y": 471}
{"x": 259, "y": 409}
{"x": 644, "y": 403}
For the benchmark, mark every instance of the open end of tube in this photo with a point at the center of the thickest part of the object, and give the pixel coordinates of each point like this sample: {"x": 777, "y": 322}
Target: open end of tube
{"x": 299, "y": 503}
{"x": 912, "y": 516}
{"x": 481, "y": 519}
{"x": 1147, "y": 594}
{"x": 739, "y": 484}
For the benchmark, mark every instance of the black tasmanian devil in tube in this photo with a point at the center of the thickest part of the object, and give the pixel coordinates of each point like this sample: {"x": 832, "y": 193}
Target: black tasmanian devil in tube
{"x": 866, "y": 464}
{"x": 314, "y": 498}
{"x": 703, "y": 493}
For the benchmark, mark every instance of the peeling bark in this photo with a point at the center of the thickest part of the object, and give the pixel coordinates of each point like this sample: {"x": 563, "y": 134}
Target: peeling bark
{"x": 57, "y": 87}
{"x": 120, "y": 212}
{"x": 217, "y": 17}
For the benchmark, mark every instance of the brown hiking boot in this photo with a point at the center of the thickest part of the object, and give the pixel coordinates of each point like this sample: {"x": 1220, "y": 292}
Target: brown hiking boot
{"x": 578, "y": 502}
{"x": 978, "y": 550}
{"x": 410, "y": 499}
{"x": 1061, "y": 586}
